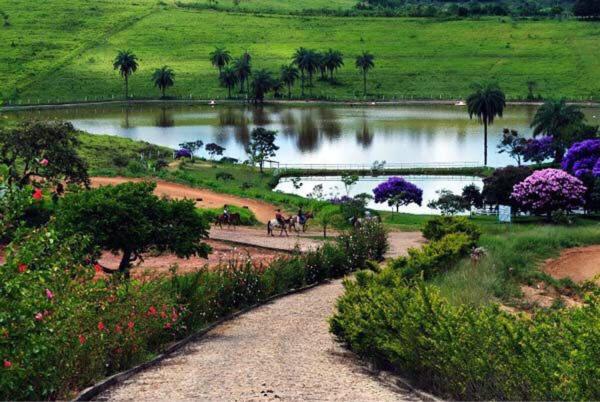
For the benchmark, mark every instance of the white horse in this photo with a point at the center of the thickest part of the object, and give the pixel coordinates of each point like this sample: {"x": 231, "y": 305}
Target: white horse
{"x": 295, "y": 220}
{"x": 274, "y": 223}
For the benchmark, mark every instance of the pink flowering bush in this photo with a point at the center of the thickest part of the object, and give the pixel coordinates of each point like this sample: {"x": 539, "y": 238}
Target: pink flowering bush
{"x": 549, "y": 190}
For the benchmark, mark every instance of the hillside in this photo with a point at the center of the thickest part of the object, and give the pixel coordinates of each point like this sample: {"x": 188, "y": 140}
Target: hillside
{"x": 63, "y": 51}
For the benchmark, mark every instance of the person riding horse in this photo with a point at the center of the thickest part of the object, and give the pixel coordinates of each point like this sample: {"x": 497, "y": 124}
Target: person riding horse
{"x": 301, "y": 217}
{"x": 279, "y": 217}
{"x": 226, "y": 212}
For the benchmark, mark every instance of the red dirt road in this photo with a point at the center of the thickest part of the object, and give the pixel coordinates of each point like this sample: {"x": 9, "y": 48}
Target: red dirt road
{"x": 578, "y": 263}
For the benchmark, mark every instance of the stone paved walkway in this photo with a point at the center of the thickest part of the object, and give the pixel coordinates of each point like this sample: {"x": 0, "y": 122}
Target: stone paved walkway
{"x": 280, "y": 351}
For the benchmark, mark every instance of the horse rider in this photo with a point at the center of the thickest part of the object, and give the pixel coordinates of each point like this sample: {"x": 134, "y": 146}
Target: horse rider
{"x": 301, "y": 217}
{"x": 279, "y": 217}
{"x": 226, "y": 212}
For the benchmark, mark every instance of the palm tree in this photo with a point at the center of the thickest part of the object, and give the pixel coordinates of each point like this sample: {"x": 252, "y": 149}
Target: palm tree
{"x": 228, "y": 78}
{"x": 487, "y": 102}
{"x": 311, "y": 64}
{"x": 163, "y": 78}
{"x": 365, "y": 62}
{"x": 243, "y": 70}
{"x": 220, "y": 58}
{"x": 321, "y": 64}
{"x": 126, "y": 63}
{"x": 262, "y": 82}
{"x": 299, "y": 59}
{"x": 289, "y": 75}
{"x": 558, "y": 119}
{"x": 334, "y": 59}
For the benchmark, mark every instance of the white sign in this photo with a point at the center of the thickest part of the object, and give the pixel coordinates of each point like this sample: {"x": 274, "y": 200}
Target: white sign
{"x": 504, "y": 213}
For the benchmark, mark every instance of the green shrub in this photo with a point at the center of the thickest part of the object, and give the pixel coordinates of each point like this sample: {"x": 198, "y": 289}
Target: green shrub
{"x": 440, "y": 226}
{"x": 225, "y": 176}
{"x": 136, "y": 167}
{"x": 434, "y": 257}
{"x": 471, "y": 353}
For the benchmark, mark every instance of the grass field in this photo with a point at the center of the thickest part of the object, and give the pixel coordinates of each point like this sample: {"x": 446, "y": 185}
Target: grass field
{"x": 62, "y": 51}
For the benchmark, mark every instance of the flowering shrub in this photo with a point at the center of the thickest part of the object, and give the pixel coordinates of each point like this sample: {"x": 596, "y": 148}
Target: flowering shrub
{"x": 183, "y": 153}
{"x": 539, "y": 149}
{"x": 397, "y": 192}
{"x": 583, "y": 159}
{"x": 549, "y": 190}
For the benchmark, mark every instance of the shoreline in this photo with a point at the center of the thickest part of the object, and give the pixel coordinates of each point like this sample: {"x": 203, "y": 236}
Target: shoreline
{"x": 298, "y": 102}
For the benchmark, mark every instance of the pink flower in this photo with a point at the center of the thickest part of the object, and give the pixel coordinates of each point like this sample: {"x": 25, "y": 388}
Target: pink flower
{"x": 37, "y": 194}
{"x": 39, "y": 317}
{"x": 101, "y": 326}
{"x": 22, "y": 268}
{"x": 44, "y": 162}
{"x": 97, "y": 267}
{"x": 130, "y": 324}
{"x": 49, "y": 294}
{"x": 168, "y": 325}
{"x": 118, "y": 329}
{"x": 7, "y": 363}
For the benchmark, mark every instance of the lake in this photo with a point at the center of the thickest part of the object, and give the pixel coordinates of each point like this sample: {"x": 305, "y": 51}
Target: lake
{"x": 333, "y": 186}
{"x": 310, "y": 133}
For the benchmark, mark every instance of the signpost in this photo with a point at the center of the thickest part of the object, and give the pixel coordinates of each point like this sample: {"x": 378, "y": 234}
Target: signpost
{"x": 504, "y": 213}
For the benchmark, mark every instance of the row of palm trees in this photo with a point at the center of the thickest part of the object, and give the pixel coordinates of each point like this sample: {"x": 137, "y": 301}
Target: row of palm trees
{"x": 305, "y": 64}
{"x": 126, "y": 62}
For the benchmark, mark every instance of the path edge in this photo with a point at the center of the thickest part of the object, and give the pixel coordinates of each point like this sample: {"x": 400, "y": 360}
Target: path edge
{"x": 108, "y": 382}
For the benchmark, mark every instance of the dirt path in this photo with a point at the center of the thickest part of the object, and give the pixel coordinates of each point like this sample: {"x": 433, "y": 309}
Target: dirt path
{"x": 280, "y": 351}
{"x": 578, "y": 263}
{"x": 204, "y": 198}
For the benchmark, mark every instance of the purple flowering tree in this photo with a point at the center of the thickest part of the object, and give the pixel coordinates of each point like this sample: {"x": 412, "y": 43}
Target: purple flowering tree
{"x": 183, "y": 153}
{"x": 583, "y": 159}
{"x": 397, "y": 192}
{"x": 539, "y": 149}
{"x": 549, "y": 190}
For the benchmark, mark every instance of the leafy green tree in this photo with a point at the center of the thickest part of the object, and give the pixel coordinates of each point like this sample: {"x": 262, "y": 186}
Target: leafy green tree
{"x": 329, "y": 216}
{"x": 130, "y": 219}
{"x": 243, "y": 70}
{"x": 365, "y": 62}
{"x": 214, "y": 149}
{"x": 512, "y": 144}
{"x": 228, "y": 78}
{"x": 192, "y": 146}
{"x": 163, "y": 78}
{"x": 262, "y": 145}
{"x": 559, "y": 120}
{"x": 487, "y": 102}
{"x": 126, "y": 63}
{"x": 220, "y": 58}
{"x": 42, "y": 150}
{"x": 262, "y": 82}
{"x": 472, "y": 196}
{"x": 289, "y": 75}
{"x": 448, "y": 203}
{"x": 334, "y": 60}
{"x": 349, "y": 180}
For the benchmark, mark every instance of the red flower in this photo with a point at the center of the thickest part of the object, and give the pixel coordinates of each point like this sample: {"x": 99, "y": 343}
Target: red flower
{"x": 118, "y": 329}
{"x": 168, "y": 325}
{"x": 130, "y": 324}
{"x": 97, "y": 267}
{"x": 37, "y": 194}
{"x": 49, "y": 294}
{"x": 39, "y": 317}
{"x": 152, "y": 310}
{"x": 81, "y": 339}
{"x": 101, "y": 326}
{"x": 163, "y": 314}
{"x": 22, "y": 268}
{"x": 7, "y": 363}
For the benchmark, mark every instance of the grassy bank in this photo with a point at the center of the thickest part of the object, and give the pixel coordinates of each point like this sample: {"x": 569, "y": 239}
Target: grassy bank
{"x": 61, "y": 51}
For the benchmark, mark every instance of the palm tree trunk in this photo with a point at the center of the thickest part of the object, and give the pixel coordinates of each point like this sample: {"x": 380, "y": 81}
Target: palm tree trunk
{"x": 485, "y": 144}
{"x": 126, "y": 87}
{"x": 162, "y": 90}
{"x": 289, "y": 90}
{"x": 302, "y": 82}
{"x": 229, "y": 92}
{"x": 365, "y": 83}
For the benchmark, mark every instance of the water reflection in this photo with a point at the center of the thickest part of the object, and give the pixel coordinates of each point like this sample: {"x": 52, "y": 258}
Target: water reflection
{"x": 311, "y": 133}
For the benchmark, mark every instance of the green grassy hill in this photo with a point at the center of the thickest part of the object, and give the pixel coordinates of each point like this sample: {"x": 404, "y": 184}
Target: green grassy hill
{"x": 63, "y": 50}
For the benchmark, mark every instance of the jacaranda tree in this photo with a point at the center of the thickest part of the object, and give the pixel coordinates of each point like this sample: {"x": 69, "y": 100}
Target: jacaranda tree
{"x": 549, "y": 190}
{"x": 539, "y": 149}
{"x": 583, "y": 159}
{"x": 397, "y": 191}
{"x": 130, "y": 219}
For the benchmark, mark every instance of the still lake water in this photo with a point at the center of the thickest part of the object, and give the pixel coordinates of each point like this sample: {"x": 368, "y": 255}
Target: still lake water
{"x": 333, "y": 186}
{"x": 310, "y": 133}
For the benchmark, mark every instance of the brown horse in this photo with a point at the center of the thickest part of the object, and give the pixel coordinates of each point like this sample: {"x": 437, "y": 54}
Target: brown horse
{"x": 233, "y": 219}
{"x": 295, "y": 220}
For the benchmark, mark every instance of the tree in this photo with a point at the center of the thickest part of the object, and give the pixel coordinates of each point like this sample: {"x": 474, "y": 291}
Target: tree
{"x": 288, "y": 76}
{"x": 539, "y": 149}
{"x": 308, "y": 62}
{"x": 531, "y": 86}
{"x": 126, "y": 63}
{"x": 349, "y": 180}
{"x": 487, "y": 102}
{"x": 130, "y": 219}
{"x": 242, "y": 69}
{"x": 583, "y": 159}
{"x": 333, "y": 60}
{"x": 262, "y": 82}
{"x": 396, "y": 191}
{"x": 328, "y": 216}
{"x": 163, "y": 78}
{"x": 498, "y": 187}
{"x": 549, "y": 190}
{"x": 299, "y": 59}
{"x": 559, "y": 120}
{"x": 192, "y": 146}
{"x": 42, "y": 150}
{"x": 262, "y": 145}
{"x": 219, "y": 58}
{"x": 587, "y": 8}
{"x": 214, "y": 149}
{"x": 365, "y": 62}
{"x": 448, "y": 203}
{"x": 228, "y": 78}
{"x": 472, "y": 196}
{"x": 512, "y": 144}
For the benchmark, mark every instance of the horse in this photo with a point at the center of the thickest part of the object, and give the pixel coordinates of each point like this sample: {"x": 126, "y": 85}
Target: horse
{"x": 233, "y": 219}
{"x": 359, "y": 222}
{"x": 295, "y": 220}
{"x": 274, "y": 223}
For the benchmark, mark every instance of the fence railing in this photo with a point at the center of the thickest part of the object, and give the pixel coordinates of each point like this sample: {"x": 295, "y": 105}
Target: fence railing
{"x": 379, "y": 178}
{"x": 387, "y": 166}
